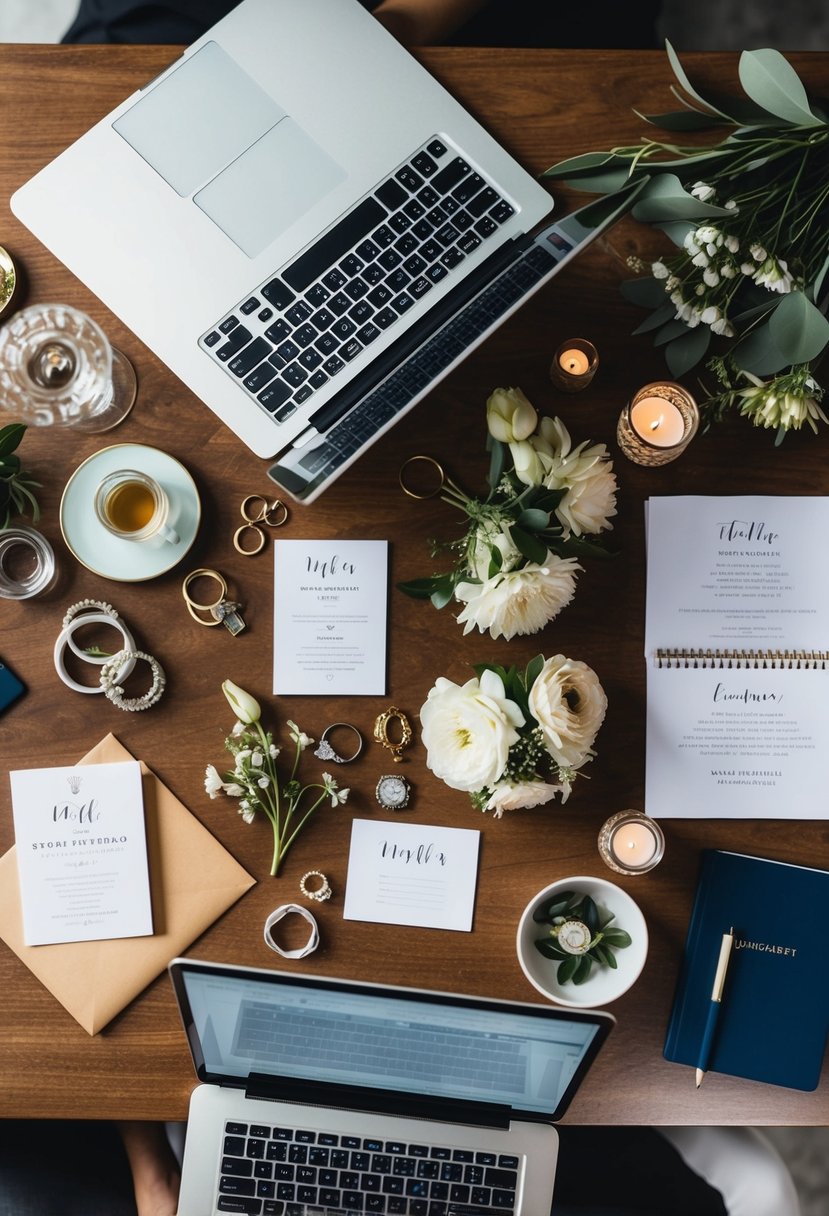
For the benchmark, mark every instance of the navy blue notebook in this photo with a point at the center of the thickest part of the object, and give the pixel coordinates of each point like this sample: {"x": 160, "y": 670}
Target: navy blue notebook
{"x": 775, "y": 1012}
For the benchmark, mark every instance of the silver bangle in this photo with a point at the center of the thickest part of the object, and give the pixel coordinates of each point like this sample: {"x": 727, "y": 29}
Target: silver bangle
{"x": 109, "y": 675}
{"x": 71, "y": 624}
{"x": 326, "y": 752}
{"x": 277, "y": 915}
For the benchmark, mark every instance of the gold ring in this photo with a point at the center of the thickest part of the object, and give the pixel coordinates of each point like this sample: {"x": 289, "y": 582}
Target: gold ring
{"x": 237, "y": 539}
{"x": 427, "y": 460}
{"x": 192, "y": 605}
{"x": 381, "y": 727}
{"x": 320, "y": 893}
{"x": 253, "y": 519}
{"x": 278, "y": 507}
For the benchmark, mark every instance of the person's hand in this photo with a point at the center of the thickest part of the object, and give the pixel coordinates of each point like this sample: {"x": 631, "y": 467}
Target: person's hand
{"x": 155, "y": 1173}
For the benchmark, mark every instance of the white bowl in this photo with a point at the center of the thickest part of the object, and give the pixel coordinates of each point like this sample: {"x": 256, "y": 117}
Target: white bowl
{"x": 604, "y": 984}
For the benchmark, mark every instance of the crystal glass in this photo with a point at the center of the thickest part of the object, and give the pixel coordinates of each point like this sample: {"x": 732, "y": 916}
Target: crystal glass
{"x": 631, "y": 843}
{"x": 57, "y": 368}
{"x": 27, "y": 563}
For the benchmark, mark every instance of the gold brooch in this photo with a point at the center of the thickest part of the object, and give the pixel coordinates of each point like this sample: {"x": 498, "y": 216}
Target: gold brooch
{"x": 381, "y": 731}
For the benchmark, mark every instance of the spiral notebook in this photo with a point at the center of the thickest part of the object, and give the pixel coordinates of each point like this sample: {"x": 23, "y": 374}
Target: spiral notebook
{"x": 737, "y": 647}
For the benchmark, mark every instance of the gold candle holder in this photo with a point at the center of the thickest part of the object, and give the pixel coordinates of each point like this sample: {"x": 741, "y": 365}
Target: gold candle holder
{"x": 631, "y": 843}
{"x": 574, "y": 365}
{"x": 657, "y": 424}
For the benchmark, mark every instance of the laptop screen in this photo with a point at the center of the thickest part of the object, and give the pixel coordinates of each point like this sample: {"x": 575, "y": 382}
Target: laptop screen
{"x": 242, "y": 1021}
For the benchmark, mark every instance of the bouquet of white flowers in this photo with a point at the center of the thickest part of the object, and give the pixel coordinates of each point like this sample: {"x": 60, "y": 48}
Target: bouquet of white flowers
{"x": 518, "y": 558}
{"x": 750, "y": 216}
{"x": 513, "y": 738}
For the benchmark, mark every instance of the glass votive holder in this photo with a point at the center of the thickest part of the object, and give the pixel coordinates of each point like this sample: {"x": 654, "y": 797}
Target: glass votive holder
{"x": 631, "y": 843}
{"x": 574, "y": 365}
{"x": 27, "y": 563}
{"x": 657, "y": 424}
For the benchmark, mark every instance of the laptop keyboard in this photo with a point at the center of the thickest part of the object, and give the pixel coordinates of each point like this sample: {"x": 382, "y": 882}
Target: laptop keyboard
{"x": 280, "y": 1171}
{"x": 305, "y": 324}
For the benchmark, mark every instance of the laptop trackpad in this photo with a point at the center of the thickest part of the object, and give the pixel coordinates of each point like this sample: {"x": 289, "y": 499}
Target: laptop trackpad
{"x": 270, "y": 186}
{"x": 198, "y": 119}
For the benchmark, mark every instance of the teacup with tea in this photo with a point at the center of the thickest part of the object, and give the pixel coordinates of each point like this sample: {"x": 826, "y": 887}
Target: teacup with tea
{"x": 133, "y": 506}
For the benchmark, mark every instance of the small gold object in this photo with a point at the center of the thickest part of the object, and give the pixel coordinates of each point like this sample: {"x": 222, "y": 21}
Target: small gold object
{"x": 320, "y": 893}
{"x": 222, "y": 611}
{"x": 429, "y": 460}
{"x": 255, "y": 511}
{"x": 381, "y": 726}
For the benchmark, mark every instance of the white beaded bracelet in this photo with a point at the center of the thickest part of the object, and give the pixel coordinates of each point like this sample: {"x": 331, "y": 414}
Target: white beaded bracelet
{"x": 110, "y": 673}
{"x": 71, "y": 623}
{"x": 277, "y": 915}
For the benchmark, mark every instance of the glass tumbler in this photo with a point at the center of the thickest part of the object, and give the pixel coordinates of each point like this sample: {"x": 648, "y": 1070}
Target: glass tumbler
{"x": 57, "y": 368}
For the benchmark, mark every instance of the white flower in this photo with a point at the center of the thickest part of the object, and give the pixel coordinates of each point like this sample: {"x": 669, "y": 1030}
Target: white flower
{"x": 731, "y": 242}
{"x": 487, "y": 538}
{"x": 707, "y": 235}
{"x": 518, "y": 601}
{"x": 245, "y": 707}
{"x": 758, "y": 252}
{"x": 700, "y": 259}
{"x": 273, "y": 751}
{"x": 702, "y": 191}
{"x": 509, "y": 415}
{"x": 241, "y": 756}
{"x": 263, "y": 782}
{"x": 257, "y": 759}
{"x": 774, "y": 274}
{"x": 747, "y": 268}
{"x": 212, "y": 781}
{"x": 728, "y": 270}
{"x": 569, "y": 704}
{"x": 299, "y": 737}
{"x": 528, "y": 464}
{"x": 234, "y": 790}
{"x": 711, "y": 278}
{"x": 659, "y": 270}
{"x": 247, "y": 811}
{"x": 731, "y": 205}
{"x": 710, "y": 314}
{"x": 507, "y": 797}
{"x": 468, "y": 731}
{"x": 237, "y": 729}
{"x": 723, "y": 326}
{"x": 672, "y": 283}
{"x": 586, "y": 473}
{"x": 337, "y": 795}
{"x": 690, "y": 243}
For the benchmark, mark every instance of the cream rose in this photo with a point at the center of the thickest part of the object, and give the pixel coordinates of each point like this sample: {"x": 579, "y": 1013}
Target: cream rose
{"x": 569, "y": 704}
{"x": 585, "y": 472}
{"x": 510, "y": 417}
{"x": 468, "y": 731}
{"x": 506, "y": 797}
{"x": 518, "y": 601}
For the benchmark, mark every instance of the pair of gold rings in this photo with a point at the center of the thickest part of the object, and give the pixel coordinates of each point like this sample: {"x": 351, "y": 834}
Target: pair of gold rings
{"x": 256, "y": 511}
{"x": 221, "y": 611}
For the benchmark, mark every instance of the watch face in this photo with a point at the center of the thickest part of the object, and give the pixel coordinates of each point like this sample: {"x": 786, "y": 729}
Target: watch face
{"x": 392, "y": 792}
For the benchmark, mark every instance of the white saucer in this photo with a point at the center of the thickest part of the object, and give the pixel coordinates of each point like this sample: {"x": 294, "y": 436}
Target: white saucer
{"x": 128, "y": 561}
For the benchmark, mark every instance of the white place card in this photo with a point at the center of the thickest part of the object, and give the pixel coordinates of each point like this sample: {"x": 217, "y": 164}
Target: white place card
{"x": 81, "y": 853}
{"x": 330, "y": 617}
{"x": 412, "y": 874}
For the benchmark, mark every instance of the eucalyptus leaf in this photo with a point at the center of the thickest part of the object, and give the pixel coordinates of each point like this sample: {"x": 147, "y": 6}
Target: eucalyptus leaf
{"x": 646, "y": 292}
{"x": 420, "y": 588}
{"x": 610, "y": 958}
{"x": 684, "y": 353}
{"x": 549, "y": 949}
{"x": 567, "y": 969}
{"x": 770, "y": 80}
{"x": 590, "y": 914}
{"x": 618, "y": 938}
{"x": 670, "y": 207}
{"x": 679, "y": 72}
{"x": 583, "y": 969}
{"x": 662, "y": 314}
{"x": 599, "y": 183}
{"x": 496, "y": 561}
{"x": 798, "y": 328}
{"x": 553, "y": 907}
{"x": 579, "y": 165}
{"x": 677, "y": 230}
{"x": 668, "y": 332}
{"x": 442, "y": 595}
{"x": 757, "y": 352}
{"x": 682, "y": 120}
{"x": 528, "y": 546}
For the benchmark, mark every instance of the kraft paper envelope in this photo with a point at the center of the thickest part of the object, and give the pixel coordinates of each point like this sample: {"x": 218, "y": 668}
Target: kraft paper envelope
{"x": 193, "y": 880}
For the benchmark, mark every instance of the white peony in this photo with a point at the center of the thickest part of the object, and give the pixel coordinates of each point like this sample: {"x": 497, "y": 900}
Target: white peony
{"x": 510, "y": 417}
{"x": 518, "y": 601}
{"x": 586, "y": 473}
{"x": 507, "y": 797}
{"x": 468, "y": 731}
{"x": 569, "y": 704}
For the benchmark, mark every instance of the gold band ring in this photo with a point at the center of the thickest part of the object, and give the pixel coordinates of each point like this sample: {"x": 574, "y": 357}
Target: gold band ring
{"x": 430, "y": 460}
{"x": 193, "y": 606}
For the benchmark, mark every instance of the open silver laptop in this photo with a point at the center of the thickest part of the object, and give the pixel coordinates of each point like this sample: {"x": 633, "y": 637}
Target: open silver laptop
{"x": 330, "y": 1096}
{"x": 302, "y": 224}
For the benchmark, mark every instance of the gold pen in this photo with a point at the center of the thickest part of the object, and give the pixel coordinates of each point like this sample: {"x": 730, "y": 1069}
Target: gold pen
{"x": 715, "y": 1006}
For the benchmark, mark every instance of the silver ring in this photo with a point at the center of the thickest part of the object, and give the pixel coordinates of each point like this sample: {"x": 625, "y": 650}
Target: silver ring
{"x": 320, "y": 893}
{"x": 326, "y": 752}
{"x": 277, "y": 915}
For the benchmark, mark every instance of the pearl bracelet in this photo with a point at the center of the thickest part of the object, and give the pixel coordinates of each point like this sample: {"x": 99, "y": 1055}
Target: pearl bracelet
{"x": 110, "y": 673}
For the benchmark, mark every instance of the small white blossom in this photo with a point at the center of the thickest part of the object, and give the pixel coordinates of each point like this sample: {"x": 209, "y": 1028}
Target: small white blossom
{"x": 747, "y": 268}
{"x": 758, "y": 253}
{"x": 257, "y": 759}
{"x": 699, "y": 289}
{"x": 273, "y": 751}
{"x": 731, "y": 205}
{"x": 263, "y": 782}
{"x": 701, "y": 258}
{"x": 659, "y": 270}
{"x": 708, "y": 235}
{"x": 241, "y": 756}
{"x": 234, "y": 790}
{"x": 702, "y": 191}
{"x": 690, "y": 243}
{"x": 731, "y": 243}
{"x": 212, "y": 781}
{"x": 299, "y": 737}
{"x": 336, "y": 795}
{"x": 774, "y": 275}
{"x": 728, "y": 270}
{"x": 711, "y": 278}
{"x": 710, "y": 315}
{"x": 247, "y": 812}
{"x": 237, "y": 729}
{"x": 672, "y": 283}
{"x": 723, "y": 326}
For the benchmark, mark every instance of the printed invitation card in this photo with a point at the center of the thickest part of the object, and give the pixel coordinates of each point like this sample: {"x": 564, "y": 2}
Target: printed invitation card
{"x": 330, "y": 617}
{"x": 81, "y": 853}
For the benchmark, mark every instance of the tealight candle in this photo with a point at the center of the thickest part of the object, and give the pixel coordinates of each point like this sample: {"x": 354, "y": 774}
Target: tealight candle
{"x": 658, "y": 423}
{"x": 631, "y": 843}
{"x": 574, "y": 365}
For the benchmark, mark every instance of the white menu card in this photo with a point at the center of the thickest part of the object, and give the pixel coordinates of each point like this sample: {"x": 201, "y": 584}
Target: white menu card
{"x": 330, "y": 617}
{"x": 81, "y": 853}
{"x": 412, "y": 874}
{"x": 737, "y": 626}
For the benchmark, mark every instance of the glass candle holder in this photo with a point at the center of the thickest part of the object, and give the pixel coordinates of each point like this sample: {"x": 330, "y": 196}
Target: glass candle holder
{"x": 574, "y": 365}
{"x": 631, "y": 843}
{"x": 27, "y": 563}
{"x": 657, "y": 424}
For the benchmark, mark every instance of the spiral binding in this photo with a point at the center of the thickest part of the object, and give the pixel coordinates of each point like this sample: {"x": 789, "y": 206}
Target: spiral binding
{"x": 740, "y": 659}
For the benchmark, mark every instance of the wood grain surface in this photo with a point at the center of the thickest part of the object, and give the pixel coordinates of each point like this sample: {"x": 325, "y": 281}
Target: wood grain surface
{"x": 544, "y": 105}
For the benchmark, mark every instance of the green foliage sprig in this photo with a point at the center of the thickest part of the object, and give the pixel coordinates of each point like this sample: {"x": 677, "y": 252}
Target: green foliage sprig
{"x": 571, "y": 906}
{"x": 16, "y": 485}
{"x": 750, "y": 218}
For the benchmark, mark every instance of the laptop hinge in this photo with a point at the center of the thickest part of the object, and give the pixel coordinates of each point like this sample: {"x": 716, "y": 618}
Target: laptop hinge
{"x": 377, "y": 1101}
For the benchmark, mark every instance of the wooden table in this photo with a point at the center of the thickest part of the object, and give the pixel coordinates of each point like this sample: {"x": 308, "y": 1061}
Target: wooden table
{"x": 544, "y": 105}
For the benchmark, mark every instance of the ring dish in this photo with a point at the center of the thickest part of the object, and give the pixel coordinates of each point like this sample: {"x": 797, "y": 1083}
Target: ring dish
{"x": 604, "y": 984}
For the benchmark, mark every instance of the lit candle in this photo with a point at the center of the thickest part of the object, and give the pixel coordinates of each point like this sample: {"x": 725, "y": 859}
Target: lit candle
{"x": 574, "y": 361}
{"x": 657, "y": 421}
{"x": 633, "y": 844}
